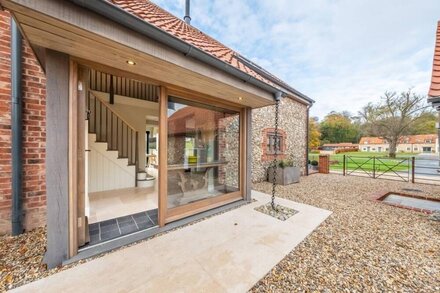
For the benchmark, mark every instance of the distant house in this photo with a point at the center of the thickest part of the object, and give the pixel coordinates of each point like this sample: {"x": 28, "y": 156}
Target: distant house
{"x": 423, "y": 143}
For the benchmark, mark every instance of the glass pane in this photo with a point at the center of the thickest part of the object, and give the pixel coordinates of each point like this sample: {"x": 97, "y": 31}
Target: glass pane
{"x": 203, "y": 152}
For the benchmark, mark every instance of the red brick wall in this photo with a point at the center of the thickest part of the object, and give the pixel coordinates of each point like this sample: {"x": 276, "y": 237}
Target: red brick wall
{"x": 324, "y": 164}
{"x": 34, "y": 133}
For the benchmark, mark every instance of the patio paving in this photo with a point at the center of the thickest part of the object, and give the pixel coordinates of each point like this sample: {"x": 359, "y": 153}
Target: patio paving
{"x": 227, "y": 252}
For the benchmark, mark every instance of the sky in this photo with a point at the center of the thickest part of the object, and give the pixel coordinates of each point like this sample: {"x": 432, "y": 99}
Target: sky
{"x": 341, "y": 53}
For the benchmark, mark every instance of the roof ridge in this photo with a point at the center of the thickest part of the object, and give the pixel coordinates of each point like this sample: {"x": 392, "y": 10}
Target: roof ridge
{"x": 186, "y": 25}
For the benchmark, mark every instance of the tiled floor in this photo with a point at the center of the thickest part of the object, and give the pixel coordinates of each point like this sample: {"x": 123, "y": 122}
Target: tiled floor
{"x": 110, "y": 229}
{"x": 229, "y": 252}
{"x": 106, "y": 205}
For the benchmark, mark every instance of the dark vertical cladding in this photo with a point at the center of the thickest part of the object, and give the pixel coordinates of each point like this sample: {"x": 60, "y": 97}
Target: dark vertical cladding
{"x": 16, "y": 130}
{"x": 307, "y": 140}
{"x": 187, "y": 17}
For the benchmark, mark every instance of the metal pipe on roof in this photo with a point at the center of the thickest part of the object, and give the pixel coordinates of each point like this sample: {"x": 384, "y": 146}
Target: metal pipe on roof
{"x": 187, "y": 17}
{"x": 124, "y": 18}
{"x": 16, "y": 130}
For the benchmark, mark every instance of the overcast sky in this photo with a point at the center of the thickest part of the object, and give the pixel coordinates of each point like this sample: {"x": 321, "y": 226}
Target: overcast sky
{"x": 341, "y": 53}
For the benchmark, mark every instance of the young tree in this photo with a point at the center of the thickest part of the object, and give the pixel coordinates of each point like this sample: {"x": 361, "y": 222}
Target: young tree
{"x": 425, "y": 124}
{"x": 314, "y": 133}
{"x": 339, "y": 127}
{"x": 393, "y": 116}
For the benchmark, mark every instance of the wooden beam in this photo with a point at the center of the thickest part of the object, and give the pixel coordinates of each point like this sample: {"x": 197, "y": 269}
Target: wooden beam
{"x": 163, "y": 155}
{"x": 57, "y": 157}
{"x": 73, "y": 155}
{"x": 83, "y": 76}
{"x": 247, "y": 177}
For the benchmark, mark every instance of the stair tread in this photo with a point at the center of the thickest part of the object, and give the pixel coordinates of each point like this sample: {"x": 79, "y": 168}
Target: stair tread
{"x": 147, "y": 179}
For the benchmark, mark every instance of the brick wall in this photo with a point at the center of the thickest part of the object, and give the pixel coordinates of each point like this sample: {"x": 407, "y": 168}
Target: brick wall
{"x": 34, "y": 133}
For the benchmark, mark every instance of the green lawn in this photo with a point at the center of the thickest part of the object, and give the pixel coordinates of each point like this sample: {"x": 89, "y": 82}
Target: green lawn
{"x": 380, "y": 162}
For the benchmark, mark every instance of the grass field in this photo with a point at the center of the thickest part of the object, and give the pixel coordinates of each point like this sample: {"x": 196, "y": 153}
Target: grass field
{"x": 368, "y": 161}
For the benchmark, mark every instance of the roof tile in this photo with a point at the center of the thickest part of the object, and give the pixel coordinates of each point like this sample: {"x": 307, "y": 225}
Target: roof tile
{"x": 173, "y": 25}
{"x": 434, "y": 90}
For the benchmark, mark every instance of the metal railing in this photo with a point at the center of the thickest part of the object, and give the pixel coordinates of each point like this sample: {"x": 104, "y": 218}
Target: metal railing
{"x": 415, "y": 169}
{"x": 111, "y": 128}
{"x": 378, "y": 167}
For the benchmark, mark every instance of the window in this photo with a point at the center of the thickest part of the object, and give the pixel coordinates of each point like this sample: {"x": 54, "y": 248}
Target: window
{"x": 364, "y": 149}
{"x": 269, "y": 142}
{"x": 416, "y": 148}
{"x": 203, "y": 152}
{"x": 408, "y": 148}
{"x": 274, "y": 143}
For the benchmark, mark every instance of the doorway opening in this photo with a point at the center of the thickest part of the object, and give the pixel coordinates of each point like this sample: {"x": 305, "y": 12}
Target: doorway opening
{"x": 121, "y": 131}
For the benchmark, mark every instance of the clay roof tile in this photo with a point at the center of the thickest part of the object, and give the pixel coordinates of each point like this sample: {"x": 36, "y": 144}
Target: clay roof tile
{"x": 173, "y": 25}
{"x": 434, "y": 90}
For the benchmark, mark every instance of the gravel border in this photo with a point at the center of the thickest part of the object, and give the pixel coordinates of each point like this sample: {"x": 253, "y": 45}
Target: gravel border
{"x": 364, "y": 246}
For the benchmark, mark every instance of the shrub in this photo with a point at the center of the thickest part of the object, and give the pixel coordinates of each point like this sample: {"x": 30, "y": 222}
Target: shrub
{"x": 314, "y": 163}
{"x": 285, "y": 163}
{"x": 349, "y": 150}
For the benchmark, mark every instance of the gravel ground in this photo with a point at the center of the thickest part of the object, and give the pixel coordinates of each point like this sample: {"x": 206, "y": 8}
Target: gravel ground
{"x": 363, "y": 246}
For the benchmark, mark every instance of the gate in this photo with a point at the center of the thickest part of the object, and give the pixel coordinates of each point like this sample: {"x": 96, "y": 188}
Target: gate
{"x": 379, "y": 167}
{"x": 421, "y": 169}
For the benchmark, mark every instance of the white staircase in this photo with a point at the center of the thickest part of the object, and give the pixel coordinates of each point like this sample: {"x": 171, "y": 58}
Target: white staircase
{"x": 113, "y": 143}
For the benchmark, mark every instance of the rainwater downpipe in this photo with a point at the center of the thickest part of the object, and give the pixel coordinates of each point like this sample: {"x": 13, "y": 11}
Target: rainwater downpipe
{"x": 16, "y": 130}
{"x": 307, "y": 138}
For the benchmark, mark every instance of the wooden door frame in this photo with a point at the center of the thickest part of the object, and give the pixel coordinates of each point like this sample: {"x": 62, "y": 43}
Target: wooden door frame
{"x": 73, "y": 155}
{"x": 165, "y": 215}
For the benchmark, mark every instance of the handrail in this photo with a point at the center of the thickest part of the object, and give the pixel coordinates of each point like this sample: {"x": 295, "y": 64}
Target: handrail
{"x": 108, "y": 107}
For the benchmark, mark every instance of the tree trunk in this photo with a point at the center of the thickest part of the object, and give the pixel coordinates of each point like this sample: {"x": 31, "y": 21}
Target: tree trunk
{"x": 393, "y": 147}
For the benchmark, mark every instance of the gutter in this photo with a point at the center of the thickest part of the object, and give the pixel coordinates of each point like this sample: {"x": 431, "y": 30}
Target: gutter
{"x": 16, "y": 130}
{"x": 124, "y": 18}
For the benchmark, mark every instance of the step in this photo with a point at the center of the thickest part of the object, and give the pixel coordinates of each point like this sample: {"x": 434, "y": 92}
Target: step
{"x": 146, "y": 182}
{"x": 141, "y": 175}
{"x": 144, "y": 176}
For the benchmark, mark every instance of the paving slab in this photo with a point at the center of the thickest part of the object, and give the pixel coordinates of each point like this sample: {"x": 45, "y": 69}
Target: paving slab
{"x": 229, "y": 252}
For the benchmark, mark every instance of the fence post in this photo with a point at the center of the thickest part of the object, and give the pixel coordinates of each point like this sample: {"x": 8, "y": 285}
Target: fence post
{"x": 343, "y": 165}
{"x": 374, "y": 167}
{"x": 413, "y": 169}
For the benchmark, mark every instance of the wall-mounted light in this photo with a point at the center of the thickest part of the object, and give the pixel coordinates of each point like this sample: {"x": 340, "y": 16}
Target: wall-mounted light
{"x": 131, "y": 62}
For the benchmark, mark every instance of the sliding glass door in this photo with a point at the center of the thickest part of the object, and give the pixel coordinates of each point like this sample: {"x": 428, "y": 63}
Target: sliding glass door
{"x": 203, "y": 156}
